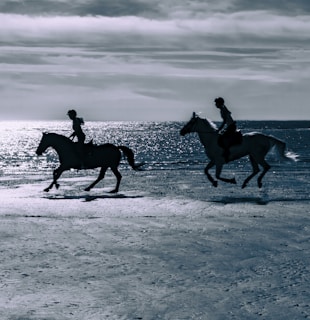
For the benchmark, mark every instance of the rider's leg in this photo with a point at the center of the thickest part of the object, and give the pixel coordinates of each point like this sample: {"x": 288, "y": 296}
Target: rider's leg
{"x": 81, "y": 154}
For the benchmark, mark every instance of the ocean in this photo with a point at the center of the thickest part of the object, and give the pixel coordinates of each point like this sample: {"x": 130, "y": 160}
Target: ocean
{"x": 158, "y": 144}
{"x": 168, "y": 245}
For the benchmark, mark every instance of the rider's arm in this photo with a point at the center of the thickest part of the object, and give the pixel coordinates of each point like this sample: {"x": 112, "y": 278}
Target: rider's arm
{"x": 224, "y": 114}
{"x": 223, "y": 122}
{"x": 222, "y": 126}
{"x": 73, "y": 134}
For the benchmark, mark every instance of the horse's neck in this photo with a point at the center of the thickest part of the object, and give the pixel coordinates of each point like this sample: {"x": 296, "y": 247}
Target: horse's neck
{"x": 207, "y": 133}
{"x": 62, "y": 144}
{"x": 208, "y": 139}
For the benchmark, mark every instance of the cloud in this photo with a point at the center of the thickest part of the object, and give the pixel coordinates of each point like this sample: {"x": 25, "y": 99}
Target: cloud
{"x": 285, "y": 7}
{"x": 107, "y": 8}
{"x": 111, "y": 59}
{"x": 217, "y": 29}
{"x": 156, "y": 9}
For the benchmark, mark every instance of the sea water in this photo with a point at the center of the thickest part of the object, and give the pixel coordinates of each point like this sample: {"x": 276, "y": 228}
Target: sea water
{"x": 157, "y": 144}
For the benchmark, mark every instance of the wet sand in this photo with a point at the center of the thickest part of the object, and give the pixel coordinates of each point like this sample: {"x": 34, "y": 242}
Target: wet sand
{"x": 168, "y": 246}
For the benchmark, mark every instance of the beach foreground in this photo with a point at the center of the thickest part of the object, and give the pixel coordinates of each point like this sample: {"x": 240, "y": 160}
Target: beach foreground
{"x": 168, "y": 246}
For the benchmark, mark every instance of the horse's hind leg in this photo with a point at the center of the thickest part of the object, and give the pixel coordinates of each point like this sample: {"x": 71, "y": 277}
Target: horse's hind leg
{"x": 266, "y": 167}
{"x": 254, "y": 173}
{"x": 100, "y": 177}
{"x": 118, "y": 177}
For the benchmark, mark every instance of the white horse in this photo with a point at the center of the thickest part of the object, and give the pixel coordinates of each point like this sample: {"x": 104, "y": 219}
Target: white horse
{"x": 255, "y": 145}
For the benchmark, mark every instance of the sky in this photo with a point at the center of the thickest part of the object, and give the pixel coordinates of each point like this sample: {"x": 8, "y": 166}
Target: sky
{"x": 154, "y": 60}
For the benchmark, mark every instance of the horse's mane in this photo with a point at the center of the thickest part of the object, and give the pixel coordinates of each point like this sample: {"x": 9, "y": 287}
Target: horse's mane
{"x": 210, "y": 123}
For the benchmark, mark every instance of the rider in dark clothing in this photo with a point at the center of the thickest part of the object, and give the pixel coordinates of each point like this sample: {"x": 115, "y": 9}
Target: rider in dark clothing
{"x": 226, "y": 129}
{"x": 78, "y": 132}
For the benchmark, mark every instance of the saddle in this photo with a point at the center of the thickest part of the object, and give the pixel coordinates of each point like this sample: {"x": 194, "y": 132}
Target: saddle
{"x": 90, "y": 144}
{"x": 86, "y": 149}
{"x": 236, "y": 138}
{"x": 228, "y": 139}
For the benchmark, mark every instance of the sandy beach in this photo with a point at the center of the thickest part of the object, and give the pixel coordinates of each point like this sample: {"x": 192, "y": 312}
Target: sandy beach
{"x": 167, "y": 246}
{"x": 167, "y": 82}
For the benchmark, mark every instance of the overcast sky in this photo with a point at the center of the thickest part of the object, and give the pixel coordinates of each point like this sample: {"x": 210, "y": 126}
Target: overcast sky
{"x": 154, "y": 59}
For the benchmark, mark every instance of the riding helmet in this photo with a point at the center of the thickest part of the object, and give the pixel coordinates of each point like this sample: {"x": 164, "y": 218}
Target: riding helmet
{"x": 72, "y": 112}
{"x": 219, "y": 100}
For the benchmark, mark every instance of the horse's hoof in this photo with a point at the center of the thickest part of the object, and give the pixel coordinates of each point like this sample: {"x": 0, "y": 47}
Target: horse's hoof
{"x": 57, "y": 186}
{"x": 260, "y": 184}
{"x": 243, "y": 186}
{"x": 114, "y": 191}
{"x": 46, "y": 189}
{"x": 233, "y": 181}
{"x": 87, "y": 189}
{"x": 214, "y": 183}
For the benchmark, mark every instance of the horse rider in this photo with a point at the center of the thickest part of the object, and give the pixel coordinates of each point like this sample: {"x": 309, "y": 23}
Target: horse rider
{"x": 227, "y": 129}
{"x": 78, "y": 132}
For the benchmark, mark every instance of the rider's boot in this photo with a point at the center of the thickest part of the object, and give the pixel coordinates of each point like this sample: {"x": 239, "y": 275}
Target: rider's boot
{"x": 81, "y": 153}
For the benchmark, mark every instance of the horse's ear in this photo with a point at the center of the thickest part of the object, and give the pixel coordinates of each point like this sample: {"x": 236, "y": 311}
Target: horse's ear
{"x": 194, "y": 115}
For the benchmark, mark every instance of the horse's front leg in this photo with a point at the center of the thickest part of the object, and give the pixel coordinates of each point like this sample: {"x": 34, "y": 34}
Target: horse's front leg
{"x": 218, "y": 175}
{"x": 209, "y": 166}
{"x": 56, "y": 174}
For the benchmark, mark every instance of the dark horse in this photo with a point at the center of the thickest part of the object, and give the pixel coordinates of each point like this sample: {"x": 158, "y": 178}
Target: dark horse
{"x": 255, "y": 145}
{"x": 104, "y": 156}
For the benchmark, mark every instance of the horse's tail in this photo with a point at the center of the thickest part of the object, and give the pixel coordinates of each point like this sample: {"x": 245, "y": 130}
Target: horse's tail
{"x": 280, "y": 147}
{"x": 130, "y": 157}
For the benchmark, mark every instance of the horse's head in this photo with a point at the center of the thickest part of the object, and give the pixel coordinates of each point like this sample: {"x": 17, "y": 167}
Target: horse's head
{"x": 196, "y": 124}
{"x": 57, "y": 141}
{"x": 189, "y": 125}
{"x": 43, "y": 145}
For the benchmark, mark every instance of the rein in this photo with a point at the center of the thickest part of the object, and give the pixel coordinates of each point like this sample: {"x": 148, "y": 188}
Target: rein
{"x": 208, "y": 132}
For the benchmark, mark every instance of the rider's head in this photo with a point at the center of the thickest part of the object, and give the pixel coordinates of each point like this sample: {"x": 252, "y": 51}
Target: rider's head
{"x": 71, "y": 113}
{"x": 219, "y": 102}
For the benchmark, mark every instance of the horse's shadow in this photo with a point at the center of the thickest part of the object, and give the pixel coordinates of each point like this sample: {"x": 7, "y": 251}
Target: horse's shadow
{"x": 88, "y": 198}
{"x": 232, "y": 200}
{"x": 264, "y": 200}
